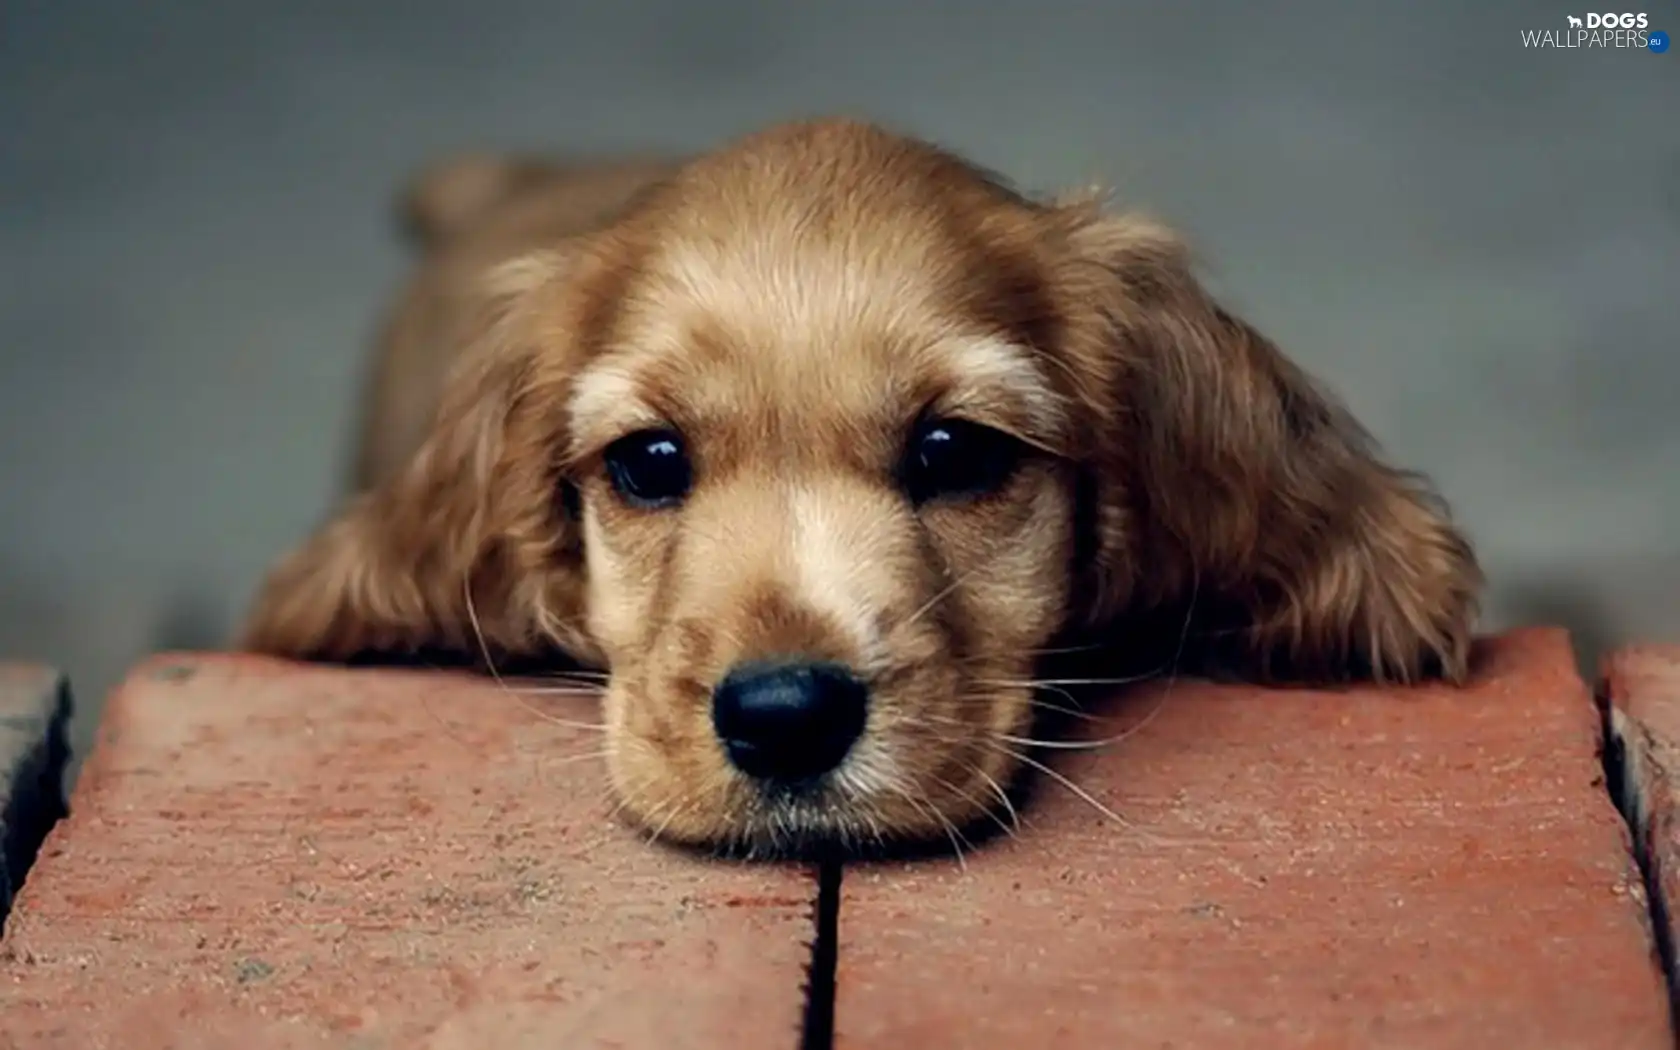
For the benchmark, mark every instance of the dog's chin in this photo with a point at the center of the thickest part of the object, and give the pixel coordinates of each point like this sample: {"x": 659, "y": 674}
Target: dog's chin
{"x": 839, "y": 815}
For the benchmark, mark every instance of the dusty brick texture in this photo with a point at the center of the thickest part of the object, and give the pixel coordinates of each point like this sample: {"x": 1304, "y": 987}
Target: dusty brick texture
{"x": 1364, "y": 868}
{"x": 263, "y": 856}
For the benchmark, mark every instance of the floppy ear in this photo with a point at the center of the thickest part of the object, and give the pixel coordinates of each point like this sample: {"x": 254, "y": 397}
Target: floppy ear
{"x": 1230, "y": 486}
{"x": 471, "y": 547}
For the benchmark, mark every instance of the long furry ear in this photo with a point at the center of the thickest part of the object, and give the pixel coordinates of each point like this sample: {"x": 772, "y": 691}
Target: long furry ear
{"x": 1234, "y": 492}
{"x": 471, "y": 549}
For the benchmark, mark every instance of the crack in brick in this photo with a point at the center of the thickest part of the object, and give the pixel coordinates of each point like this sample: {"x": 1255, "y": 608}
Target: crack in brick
{"x": 34, "y": 752}
{"x": 817, "y": 1030}
{"x": 1622, "y": 782}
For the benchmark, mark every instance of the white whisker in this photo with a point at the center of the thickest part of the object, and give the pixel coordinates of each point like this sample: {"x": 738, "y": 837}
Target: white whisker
{"x": 939, "y": 596}
{"x": 593, "y": 727}
{"x": 566, "y": 760}
{"x": 1094, "y": 745}
{"x": 675, "y": 811}
{"x": 976, "y": 803}
{"x": 1061, "y": 650}
{"x": 1014, "y": 824}
{"x": 1028, "y": 683}
{"x": 1078, "y": 791}
{"x": 490, "y": 665}
{"x": 1084, "y": 716}
{"x": 951, "y": 832}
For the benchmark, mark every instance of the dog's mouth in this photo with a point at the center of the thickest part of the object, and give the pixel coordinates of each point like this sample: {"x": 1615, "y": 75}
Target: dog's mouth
{"x": 828, "y": 817}
{"x": 815, "y": 819}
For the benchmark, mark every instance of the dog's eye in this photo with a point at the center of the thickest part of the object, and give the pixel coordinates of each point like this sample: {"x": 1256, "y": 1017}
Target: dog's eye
{"x": 953, "y": 457}
{"x": 649, "y": 468}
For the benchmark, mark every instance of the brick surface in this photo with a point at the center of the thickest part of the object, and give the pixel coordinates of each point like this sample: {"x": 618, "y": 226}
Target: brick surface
{"x": 1436, "y": 868}
{"x": 34, "y": 714}
{"x": 265, "y": 856}
{"x": 1642, "y": 684}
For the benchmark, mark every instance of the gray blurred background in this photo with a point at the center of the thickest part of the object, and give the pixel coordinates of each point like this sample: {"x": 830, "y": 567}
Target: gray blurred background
{"x": 1476, "y": 243}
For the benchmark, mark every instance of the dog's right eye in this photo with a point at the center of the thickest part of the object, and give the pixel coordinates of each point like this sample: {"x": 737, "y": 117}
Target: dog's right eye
{"x": 953, "y": 458}
{"x": 649, "y": 468}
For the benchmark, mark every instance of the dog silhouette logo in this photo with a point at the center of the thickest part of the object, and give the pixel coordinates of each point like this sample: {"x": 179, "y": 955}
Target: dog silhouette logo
{"x": 1574, "y": 22}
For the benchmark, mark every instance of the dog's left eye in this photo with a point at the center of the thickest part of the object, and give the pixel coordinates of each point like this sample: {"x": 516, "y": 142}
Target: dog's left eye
{"x": 650, "y": 468}
{"x": 955, "y": 458}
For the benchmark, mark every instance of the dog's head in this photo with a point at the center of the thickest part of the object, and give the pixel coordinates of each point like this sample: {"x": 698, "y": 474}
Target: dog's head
{"x": 823, "y": 444}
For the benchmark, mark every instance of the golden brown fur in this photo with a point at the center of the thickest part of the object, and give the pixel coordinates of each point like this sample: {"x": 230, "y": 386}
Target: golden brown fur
{"x": 791, "y": 305}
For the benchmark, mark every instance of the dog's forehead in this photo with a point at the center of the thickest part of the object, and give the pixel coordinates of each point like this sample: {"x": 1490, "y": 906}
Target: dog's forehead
{"x": 820, "y": 302}
{"x": 767, "y": 335}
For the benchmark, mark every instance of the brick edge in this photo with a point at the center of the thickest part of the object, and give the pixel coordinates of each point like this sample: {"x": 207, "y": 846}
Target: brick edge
{"x": 1642, "y": 776}
{"x": 34, "y": 756}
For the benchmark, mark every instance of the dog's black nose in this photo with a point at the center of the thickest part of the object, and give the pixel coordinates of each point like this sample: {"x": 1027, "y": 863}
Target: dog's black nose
{"x": 789, "y": 721}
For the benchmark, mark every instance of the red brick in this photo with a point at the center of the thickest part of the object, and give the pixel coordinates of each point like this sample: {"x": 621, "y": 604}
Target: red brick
{"x": 263, "y": 856}
{"x": 1642, "y": 684}
{"x": 1436, "y": 868}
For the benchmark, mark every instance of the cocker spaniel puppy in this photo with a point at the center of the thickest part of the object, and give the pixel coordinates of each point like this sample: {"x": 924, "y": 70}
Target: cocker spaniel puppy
{"x": 815, "y": 444}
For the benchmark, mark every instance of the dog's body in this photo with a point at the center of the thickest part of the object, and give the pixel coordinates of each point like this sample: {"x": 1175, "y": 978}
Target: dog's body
{"x": 816, "y": 443}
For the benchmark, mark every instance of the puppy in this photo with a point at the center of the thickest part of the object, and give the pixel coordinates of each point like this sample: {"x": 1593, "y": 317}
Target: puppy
{"x": 818, "y": 441}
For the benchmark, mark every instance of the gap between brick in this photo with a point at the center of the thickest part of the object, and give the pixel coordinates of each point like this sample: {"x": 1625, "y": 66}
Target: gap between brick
{"x": 32, "y": 788}
{"x": 1622, "y": 782}
{"x": 817, "y": 1028}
